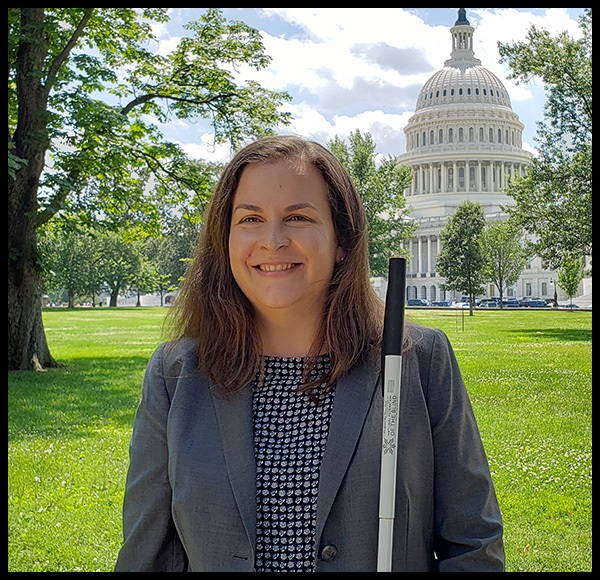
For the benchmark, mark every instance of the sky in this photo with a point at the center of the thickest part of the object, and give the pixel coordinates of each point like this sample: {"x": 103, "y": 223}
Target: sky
{"x": 350, "y": 69}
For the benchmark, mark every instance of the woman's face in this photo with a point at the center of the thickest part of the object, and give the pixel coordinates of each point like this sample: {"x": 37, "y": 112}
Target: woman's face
{"x": 282, "y": 244}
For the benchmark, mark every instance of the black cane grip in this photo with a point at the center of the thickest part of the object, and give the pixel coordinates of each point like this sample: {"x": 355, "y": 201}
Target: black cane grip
{"x": 393, "y": 323}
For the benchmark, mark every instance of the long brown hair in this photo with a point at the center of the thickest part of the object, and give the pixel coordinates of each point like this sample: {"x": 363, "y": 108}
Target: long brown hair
{"x": 212, "y": 310}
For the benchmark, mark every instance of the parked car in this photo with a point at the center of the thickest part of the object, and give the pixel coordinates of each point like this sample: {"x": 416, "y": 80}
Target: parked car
{"x": 567, "y": 305}
{"x": 537, "y": 304}
{"x": 489, "y": 303}
{"x": 512, "y": 303}
{"x": 417, "y": 302}
{"x": 444, "y": 303}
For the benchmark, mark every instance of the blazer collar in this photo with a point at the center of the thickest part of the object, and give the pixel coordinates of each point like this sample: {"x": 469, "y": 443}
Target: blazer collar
{"x": 353, "y": 397}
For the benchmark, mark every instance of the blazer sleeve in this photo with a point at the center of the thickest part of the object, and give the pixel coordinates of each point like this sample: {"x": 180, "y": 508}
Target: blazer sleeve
{"x": 150, "y": 541}
{"x": 468, "y": 521}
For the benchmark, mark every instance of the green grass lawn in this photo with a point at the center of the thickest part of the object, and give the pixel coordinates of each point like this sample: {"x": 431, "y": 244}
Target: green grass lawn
{"x": 528, "y": 373}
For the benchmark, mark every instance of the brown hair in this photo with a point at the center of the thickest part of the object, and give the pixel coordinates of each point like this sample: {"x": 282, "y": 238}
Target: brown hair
{"x": 212, "y": 310}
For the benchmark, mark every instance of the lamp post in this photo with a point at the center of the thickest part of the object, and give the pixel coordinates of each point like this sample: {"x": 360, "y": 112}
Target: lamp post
{"x": 553, "y": 281}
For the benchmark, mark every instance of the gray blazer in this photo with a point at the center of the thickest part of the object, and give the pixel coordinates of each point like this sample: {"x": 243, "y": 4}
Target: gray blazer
{"x": 189, "y": 502}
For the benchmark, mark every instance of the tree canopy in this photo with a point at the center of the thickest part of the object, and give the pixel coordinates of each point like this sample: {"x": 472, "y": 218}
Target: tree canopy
{"x": 87, "y": 94}
{"x": 381, "y": 188}
{"x": 553, "y": 201}
{"x": 461, "y": 259}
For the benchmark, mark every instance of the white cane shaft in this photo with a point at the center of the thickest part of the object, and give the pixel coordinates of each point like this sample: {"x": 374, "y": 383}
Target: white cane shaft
{"x": 389, "y": 460}
{"x": 384, "y": 555}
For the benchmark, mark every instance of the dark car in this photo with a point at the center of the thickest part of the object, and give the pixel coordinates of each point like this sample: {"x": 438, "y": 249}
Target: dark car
{"x": 489, "y": 303}
{"x": 537, "y": 304}
{"x": 417, "y": 302}
{"x": 444, "y": 303}
{"x": 512, "y": 303}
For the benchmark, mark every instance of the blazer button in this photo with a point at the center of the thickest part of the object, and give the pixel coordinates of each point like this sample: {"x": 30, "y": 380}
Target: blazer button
{"x": 328, "y": 553}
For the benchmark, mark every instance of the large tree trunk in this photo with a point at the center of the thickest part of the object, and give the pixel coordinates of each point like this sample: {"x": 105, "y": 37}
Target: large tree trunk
{"x": 27, "y": 346}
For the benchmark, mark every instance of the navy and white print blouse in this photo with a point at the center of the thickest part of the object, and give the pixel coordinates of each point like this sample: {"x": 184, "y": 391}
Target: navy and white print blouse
{"x": 290, "y": 432}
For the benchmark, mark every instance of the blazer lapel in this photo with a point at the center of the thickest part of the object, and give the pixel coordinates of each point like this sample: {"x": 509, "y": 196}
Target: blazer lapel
{"x": 234, "y": 416}
{"x": 353, "y": 397}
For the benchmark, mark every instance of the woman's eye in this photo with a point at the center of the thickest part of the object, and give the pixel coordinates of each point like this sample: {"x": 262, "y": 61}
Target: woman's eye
{"x": 299, "y": 218}
{"x": 249, "y": 219}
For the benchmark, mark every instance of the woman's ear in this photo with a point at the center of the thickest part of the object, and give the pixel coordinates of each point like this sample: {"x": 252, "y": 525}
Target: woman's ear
{"x": 340, "y": 255}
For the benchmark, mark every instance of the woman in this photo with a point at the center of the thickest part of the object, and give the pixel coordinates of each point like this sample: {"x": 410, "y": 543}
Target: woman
{"x": 257, "y": 442}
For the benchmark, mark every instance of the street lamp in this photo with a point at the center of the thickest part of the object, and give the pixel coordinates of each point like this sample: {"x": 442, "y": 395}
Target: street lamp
{"x": 553, "y": 281}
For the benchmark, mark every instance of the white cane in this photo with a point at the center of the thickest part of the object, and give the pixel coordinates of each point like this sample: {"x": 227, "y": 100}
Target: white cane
{"x": 391, "y": 368}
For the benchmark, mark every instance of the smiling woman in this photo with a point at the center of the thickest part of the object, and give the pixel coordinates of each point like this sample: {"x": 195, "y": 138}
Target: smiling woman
{"x": 283, "y": 250}
{"x": 257, "y": 442}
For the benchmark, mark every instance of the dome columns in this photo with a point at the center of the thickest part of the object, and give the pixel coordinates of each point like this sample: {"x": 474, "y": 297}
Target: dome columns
{"x": 462, "y": 176}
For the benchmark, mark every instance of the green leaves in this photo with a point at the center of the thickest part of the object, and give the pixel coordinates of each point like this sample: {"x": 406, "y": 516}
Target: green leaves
{"x": 381, "y": 188}
{"x": 553, "y": 202}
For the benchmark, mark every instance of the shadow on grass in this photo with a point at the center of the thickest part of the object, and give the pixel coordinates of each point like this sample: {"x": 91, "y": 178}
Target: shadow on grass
{"x": 74, "y": 401}
{"x": 556, "y": 334}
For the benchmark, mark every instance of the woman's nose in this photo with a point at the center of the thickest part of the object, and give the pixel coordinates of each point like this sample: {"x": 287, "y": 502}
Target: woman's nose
{"x": 275, "y": 236}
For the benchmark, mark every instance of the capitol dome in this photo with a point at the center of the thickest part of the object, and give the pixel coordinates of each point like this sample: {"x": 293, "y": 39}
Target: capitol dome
{"x": 464, "y": 142}
{"x": 463, "y": 79}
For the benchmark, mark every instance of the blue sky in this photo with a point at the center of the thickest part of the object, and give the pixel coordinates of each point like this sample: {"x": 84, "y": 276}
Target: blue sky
{"x": 351, "y": 69}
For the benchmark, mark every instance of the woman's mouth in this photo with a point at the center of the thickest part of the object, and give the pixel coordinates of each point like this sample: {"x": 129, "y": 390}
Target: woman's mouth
{"x": 275, "y": 267}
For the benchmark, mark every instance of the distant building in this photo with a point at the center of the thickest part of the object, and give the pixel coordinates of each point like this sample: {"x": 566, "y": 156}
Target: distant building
{"x": 463, "y": 143}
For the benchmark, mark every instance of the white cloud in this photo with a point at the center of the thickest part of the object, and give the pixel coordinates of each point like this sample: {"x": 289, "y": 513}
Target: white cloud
{"x": 362, "y": 69}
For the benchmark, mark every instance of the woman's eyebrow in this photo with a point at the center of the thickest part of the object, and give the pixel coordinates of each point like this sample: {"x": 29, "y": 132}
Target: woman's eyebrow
{"x": 247, "y": 206}
{"x": 293, "y": 207}
{"x": 301, "y": 205}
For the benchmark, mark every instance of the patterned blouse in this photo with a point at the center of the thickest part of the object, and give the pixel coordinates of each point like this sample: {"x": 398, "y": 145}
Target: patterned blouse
{"x": 290, "y": 432}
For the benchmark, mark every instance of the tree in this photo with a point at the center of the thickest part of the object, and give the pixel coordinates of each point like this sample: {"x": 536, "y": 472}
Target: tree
{"x": 569, "y": 275}
{"x": 553, "y": 201}
{"x": 121, "y": 265}
{"x": 382, "y": 191}
{"x": 69, "y": 258}
{"x": 171, "y": 253}
{"x": 505, "y": 254}
{"x": 461, "y": 259}
{"x": 86, "y": 97}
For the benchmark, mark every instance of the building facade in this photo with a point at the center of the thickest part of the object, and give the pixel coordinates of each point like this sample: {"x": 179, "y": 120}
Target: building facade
{"x": 464, "y": 142}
